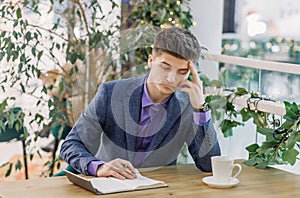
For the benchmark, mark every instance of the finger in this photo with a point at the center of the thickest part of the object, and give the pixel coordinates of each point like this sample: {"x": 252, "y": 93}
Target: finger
{"x": 117, "y": 172}
{"x": 122, "y": 170}
{"x": 125, "y": 164}
{"x": 194, "y": 73}
{"x": 117, "y": 175}
{"x": 200, "y": 84}
{"x": 129, "y": 166}
{"x": 127, "y": 174}
{"x": 185, "y": 89}
{"x": 186, "y": 83}
{"x": 195, "y": 88}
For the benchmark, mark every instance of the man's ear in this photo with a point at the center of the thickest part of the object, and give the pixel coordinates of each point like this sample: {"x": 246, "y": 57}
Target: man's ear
{"x": 150, "y": 60}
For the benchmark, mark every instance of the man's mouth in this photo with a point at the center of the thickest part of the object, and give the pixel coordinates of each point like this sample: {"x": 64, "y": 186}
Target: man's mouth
{"x": 172, "y": 87}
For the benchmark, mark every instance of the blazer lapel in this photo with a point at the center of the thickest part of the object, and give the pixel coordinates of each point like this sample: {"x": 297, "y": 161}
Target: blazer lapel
{"x": 132, "y": 108}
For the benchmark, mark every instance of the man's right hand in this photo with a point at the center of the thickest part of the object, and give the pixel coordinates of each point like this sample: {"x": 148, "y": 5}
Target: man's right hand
{"x": 118, "y": 168}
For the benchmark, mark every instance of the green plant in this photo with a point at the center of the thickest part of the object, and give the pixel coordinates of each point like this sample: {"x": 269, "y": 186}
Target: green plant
{"x": 280, "y": 141}
{"x": 76, "y": 43}
{"x": 146, "y": 18}
{"x": 279, "y": 146}
{"x": 12, "y": 127}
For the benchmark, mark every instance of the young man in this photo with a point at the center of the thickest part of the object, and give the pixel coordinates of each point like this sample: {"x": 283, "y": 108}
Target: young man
{"x": 143, "y": 122}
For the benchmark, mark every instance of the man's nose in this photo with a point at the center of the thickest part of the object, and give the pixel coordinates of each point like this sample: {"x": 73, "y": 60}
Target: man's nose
{"x": 171, "y": 77}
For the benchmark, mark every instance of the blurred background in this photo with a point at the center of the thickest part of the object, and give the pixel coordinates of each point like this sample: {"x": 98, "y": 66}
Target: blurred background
{"x": 259, "y": 29}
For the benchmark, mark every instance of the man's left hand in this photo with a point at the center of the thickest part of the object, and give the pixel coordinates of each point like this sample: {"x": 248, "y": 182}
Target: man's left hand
{"x": 194, "y": 88}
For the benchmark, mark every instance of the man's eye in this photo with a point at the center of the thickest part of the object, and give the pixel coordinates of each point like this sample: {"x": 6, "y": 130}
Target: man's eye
{"x": 165, "y": 66}
{"x": 183, "y": 72}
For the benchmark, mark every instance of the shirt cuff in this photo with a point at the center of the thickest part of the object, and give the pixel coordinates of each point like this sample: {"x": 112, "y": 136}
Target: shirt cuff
{"x": 201, "y": 118}
{"x": 93, "y": 167}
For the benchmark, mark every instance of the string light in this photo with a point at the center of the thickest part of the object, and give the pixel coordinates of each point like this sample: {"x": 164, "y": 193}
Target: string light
{"x": 178, "y": 2}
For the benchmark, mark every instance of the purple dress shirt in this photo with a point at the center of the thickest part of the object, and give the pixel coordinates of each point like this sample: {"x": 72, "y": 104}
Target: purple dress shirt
{"x": 146, "y": 129}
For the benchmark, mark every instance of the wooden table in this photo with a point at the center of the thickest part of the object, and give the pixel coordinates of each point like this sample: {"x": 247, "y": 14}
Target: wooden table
{"x": 183, "y": 180}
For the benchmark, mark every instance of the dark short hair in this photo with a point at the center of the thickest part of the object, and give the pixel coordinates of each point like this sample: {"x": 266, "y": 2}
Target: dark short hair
{"x": 177, "y": 42}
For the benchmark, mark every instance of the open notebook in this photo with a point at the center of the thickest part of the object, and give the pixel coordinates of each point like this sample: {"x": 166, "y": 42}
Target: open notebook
{"x": 105, "y": 185}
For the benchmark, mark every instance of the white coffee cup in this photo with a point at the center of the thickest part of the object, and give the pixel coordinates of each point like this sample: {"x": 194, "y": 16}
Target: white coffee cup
{"x": 222, "y": 167}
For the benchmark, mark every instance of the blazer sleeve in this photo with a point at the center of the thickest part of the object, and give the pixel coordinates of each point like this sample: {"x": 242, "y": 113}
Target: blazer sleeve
{"x": 204, "y": 145}
{"x": 83, "y": 141}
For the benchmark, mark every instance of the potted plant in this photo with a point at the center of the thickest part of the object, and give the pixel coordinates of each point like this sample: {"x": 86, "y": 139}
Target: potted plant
{"x": 12, "y": 128}
{"x": 280, "y": 142}
{"x": 72, "y": 44}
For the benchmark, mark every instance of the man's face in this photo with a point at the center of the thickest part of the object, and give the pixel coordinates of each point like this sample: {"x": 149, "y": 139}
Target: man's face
{"x": 167, "y": 72}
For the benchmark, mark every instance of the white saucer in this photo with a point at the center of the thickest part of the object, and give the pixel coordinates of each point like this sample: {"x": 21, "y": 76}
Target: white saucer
{"x": 210, "y": 182}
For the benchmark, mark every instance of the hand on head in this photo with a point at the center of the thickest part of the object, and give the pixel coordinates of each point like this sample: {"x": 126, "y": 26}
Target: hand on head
{"x": 194, "y": 88}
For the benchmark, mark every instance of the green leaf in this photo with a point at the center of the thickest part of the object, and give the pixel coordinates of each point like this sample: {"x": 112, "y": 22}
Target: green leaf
{"x": 40, "y": 55}
{"x": 31, "y": 156}
{"x": 263, "y": 164}
{"x": 267, "y": 144}
{"x": 292, "y": 111}
{"x": 58, "y": 165}
{"x": 228, "y": 132}
{"x": 19, "y": 13}
{"x": 252, "y": 147}
{"x": 265, "y": 131}
{"x": 12, "y": 119}
{"x": 28, "y": 36}
{"x": 3, "y": 105}
{"x": 230, "y": 107}
{"x": 33, "y": 51}
{"x": 73, "y": 57}
{"x": 246, "y": 114}
{"x": 253, "y": 161}
{"x": 290, "y": 156}
{"x": 22, "y": 87}
{"x": 259, "y": 120}
{"x": 2, "y": 54}
{"x": 17, "y": 126}
{"x": 287, "y": 124}
{"x": 290, "y": 143}
{"x": 18, "y": 165}
{"x": 241, "y": 91}
{"x": 227, "y": 125}
{"x": 8, "y": 172}
{"x": 297, "y": 136}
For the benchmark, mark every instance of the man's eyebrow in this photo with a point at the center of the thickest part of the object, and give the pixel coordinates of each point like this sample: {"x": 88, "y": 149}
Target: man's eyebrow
{"x": 182, "y": 69}
{"x": 164, "y": 62}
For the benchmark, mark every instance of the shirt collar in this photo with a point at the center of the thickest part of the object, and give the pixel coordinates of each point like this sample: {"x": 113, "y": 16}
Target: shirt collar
{"x": 147, "y": 101}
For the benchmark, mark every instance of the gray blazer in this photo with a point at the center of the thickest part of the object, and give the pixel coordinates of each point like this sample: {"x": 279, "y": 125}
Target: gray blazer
{"x": 108, "y": 127}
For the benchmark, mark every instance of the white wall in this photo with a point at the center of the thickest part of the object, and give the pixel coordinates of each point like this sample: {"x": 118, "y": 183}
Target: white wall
{"x": 208, "y": 16}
